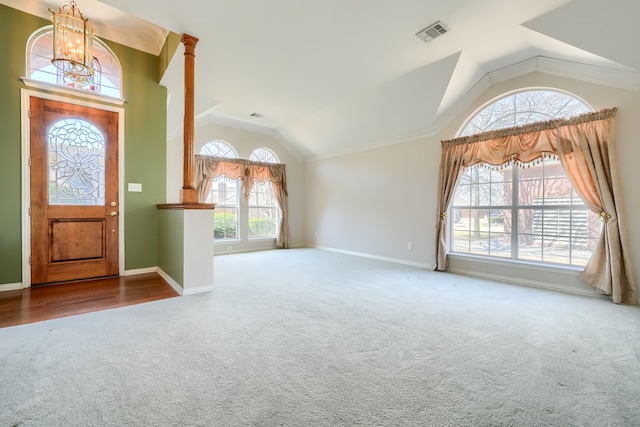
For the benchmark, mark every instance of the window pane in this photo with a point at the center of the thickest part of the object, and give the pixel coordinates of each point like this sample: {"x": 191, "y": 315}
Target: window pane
{"x": 263, "y": 222}
{"x": 484, "y": 194}
{"x": 500, "y": 244}
{"x": 462, "y": 196}
{"x": 224, "y": 192}
{"x": 552, "y": 224}
{"x": 263, "y": 155}
{"x": 225, "y": 223}
{"x": 461, "y": 240}
{"x": 529, "y": 241}
{"x": 76, "y": 163}
{"x": 218, "y": 149}
{"x": 264, "y": 211}
{"x": 106, "y": 79}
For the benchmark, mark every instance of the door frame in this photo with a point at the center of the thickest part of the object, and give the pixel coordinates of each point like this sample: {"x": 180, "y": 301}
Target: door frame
{"x": 25, "y": 94}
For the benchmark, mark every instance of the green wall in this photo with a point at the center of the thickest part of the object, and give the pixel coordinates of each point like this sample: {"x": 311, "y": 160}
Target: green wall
{"x": 171, "y": 244}
{"x": 145, "y": 146}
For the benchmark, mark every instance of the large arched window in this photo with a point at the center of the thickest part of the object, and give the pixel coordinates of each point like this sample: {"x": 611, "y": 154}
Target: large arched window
{"x": 523, "y": 212}
{"x": 264, "y": 211}
{"x": 107, "y": 78}
{"x": 224, "y": 193}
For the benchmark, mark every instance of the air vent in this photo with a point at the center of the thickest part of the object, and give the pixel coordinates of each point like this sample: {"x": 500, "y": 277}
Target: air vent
{"x": 432, "y": 31}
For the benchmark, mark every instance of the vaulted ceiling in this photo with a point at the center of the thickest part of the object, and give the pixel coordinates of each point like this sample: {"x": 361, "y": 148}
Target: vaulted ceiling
{"x": 336, "y": 76}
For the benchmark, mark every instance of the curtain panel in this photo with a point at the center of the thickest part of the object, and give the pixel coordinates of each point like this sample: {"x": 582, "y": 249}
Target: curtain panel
{"x": 207, "y": 168}
{"x": 585, "y": 146}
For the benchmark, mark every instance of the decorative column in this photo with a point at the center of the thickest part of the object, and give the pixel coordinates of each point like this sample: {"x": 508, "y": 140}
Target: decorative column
{"x": 186, "y": 229}
{"x": 189, "y": 194}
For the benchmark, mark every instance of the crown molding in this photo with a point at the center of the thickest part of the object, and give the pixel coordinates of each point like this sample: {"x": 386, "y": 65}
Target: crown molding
{"x": 621, "y": 79}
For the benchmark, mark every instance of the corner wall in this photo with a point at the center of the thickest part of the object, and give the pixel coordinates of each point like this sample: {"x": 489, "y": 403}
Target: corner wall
{"x": 375, "y": 202}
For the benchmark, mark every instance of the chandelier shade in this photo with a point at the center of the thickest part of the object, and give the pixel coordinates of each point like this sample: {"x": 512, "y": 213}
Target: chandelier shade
{"x": 72, "y": 41}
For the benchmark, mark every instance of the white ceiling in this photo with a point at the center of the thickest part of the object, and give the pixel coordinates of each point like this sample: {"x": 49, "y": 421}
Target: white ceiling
{"x": 336, "y": 76}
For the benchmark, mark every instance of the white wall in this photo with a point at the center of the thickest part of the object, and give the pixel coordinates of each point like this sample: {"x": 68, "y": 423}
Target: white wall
{"x": 374, "y": 202}
{"x": 244, "y": 142}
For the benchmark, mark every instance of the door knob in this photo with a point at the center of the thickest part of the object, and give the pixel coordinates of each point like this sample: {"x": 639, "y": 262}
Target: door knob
{"x": 114, "y": 213}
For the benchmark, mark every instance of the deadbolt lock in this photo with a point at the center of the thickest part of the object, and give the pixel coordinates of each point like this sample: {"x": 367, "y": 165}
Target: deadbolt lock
{"x": 113, "y": 203}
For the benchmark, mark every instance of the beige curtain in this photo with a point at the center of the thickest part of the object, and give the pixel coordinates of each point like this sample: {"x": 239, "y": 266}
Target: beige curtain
{"x": 586, "y": 148}
{"x": 209, "y": 167}
{"x": 587, "y": 152}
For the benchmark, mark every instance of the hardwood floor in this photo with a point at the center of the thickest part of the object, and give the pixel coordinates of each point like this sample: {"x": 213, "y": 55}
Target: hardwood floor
{"x": 46, "y": 302}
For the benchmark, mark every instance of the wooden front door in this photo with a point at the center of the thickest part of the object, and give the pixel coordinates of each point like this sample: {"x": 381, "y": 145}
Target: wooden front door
{"x": 74, "y": 192}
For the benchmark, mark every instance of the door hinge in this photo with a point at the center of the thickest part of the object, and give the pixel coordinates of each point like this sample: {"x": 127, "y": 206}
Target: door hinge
{"x": 29, "y": 112}
{"x": 29, "y": 161}
{"x": 29, "y": 210}
{"x": 29, "y": 259}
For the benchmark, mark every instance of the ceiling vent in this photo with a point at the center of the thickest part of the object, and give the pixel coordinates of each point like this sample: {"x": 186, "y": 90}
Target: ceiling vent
{"x": 432, "y": 31}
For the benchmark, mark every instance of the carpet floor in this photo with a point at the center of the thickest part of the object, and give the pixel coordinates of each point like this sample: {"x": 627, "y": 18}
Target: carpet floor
{"x": 304, "y": 337}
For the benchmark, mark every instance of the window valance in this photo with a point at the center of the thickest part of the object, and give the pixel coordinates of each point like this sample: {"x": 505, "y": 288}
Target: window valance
{"x": 519, "y": 145}
{"x": 585, "y": 146}
{"x": 207, "y": 168}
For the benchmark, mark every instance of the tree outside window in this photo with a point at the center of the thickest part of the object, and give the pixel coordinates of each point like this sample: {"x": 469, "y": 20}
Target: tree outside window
{"x": 525, "y": 212}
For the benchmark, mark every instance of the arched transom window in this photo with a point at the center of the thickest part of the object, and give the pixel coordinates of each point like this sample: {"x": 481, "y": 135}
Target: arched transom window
{"x": 264, "y": 155}
{"x": 107, "y": 77}
{"x": 522, "y": 212}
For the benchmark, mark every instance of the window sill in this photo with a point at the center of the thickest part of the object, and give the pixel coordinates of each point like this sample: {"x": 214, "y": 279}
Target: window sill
{"x": 36, "y": 84}
{"x": 524, "y": 265}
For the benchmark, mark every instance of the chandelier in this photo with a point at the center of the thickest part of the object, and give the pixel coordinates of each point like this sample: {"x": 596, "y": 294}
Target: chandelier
{"x": 72, "y": 41}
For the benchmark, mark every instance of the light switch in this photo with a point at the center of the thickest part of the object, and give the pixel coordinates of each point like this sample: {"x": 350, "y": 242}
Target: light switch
{"x": 135, "y": 187}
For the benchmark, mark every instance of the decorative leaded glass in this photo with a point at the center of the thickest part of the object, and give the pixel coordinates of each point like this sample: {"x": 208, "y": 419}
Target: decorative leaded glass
{"x": 76, "y": 163}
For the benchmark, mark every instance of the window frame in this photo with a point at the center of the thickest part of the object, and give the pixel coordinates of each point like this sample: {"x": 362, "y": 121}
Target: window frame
{"x": 264, "y": 155}
{"x": 100, "y": 49}
{"x": 515, "y": 208}
{"x": 228, "y": 152}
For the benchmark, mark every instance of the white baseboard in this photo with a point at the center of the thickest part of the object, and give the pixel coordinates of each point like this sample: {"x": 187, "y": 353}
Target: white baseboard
{"x": 11, "y": 287}
{"x": 145, "y": 270}
{"x": 179, "y": 289}
{"x": 170, "y": 280}
{"x": 380, "y": 258}
{"x": 198, "y": 290}
{"x": 525, "y": 282}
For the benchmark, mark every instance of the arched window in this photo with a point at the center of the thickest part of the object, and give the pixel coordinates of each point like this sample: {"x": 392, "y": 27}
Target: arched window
{"x": 264, "y": 211}
{"x": 219, "y": 149}
{"x": 264, "y": 155}
{"x": 523, "y": 212}
{"x": 224, "y": 193}
{"x": 521, "y": 108}
{"x": 107, "y": 77}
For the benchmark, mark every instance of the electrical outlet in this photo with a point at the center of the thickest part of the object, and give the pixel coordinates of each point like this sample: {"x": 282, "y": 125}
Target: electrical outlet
{"x": 229, "y": 248}
{"x": 409, "y": 245}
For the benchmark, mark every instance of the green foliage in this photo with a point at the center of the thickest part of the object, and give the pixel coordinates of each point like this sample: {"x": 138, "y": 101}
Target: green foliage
{"x": 225, "y": 226}
{"x": 262, "y": 227}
